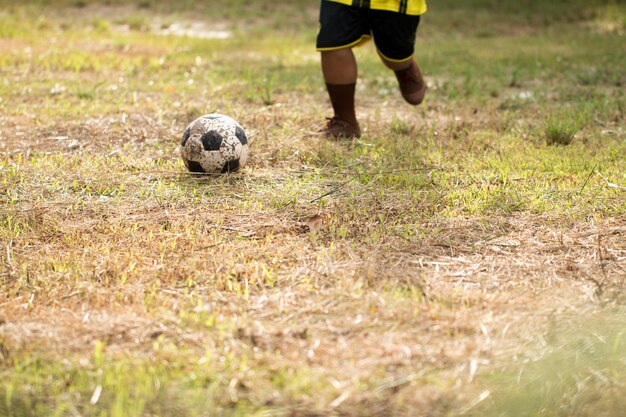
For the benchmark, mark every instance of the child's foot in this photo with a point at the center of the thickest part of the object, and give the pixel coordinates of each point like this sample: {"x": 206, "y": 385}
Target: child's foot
{"x": 412, "y": 85}
{"x": 339, "y": 129}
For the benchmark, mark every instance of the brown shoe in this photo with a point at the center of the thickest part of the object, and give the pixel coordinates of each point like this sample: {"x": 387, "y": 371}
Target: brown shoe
{"x": 339, "y": 129}
{"x": 412, "y": 85}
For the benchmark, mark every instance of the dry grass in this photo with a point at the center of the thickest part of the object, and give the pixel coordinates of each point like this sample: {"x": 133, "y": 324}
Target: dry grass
{"x": 381, "y": 277}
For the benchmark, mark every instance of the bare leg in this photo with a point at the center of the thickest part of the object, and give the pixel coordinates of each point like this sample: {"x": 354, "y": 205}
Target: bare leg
{"x": 339, "y": 68}
{"x": 410, "y": 79}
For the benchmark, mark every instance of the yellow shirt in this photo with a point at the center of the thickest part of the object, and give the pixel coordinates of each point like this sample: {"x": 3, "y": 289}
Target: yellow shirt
{"x": 412, "y": 7}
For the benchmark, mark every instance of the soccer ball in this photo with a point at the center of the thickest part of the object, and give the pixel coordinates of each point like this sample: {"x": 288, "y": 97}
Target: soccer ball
{"x": 214, "y": 144}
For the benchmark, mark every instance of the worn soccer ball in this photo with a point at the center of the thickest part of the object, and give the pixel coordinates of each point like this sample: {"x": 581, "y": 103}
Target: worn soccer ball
{"x": 214, "y": 144}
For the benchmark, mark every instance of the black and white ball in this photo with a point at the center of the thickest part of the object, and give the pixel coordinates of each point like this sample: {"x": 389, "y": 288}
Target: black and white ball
{"x": 214, "y": 144}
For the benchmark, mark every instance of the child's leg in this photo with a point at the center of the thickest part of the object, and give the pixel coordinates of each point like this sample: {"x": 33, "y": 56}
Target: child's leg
{"x": 394, "y": 35}
{"x": 339, "y": 66}
{"x": 342, "y": 27}
{"x": 410, "y": 79}
{"x": 340, "y": 73}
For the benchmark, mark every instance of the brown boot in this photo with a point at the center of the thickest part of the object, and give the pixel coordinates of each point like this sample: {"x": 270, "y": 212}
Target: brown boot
{"x": 339, "y": 129}
{"x": 412, "y": 85}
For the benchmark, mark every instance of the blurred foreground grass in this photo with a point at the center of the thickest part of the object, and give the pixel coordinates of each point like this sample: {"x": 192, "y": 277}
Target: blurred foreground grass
{"x": 578, "y": 368}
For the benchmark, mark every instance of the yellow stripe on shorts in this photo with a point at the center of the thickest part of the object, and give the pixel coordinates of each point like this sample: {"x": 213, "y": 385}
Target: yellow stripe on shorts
{"x": 411, "y": 7}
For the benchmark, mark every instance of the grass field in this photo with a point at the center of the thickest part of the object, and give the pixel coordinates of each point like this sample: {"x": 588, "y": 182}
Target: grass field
{"x": 463, "y": 258}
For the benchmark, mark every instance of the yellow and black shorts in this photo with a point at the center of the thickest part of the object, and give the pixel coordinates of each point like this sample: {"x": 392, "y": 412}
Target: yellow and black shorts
{"x": 344, "y": 26}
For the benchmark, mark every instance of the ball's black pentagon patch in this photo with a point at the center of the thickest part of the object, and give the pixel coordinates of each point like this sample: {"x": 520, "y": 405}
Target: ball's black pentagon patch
{"x": 186, "y": 136}
{"x": 211, "y": 141}
{"x": 231, "y": 166}
{"x": 212, "y": 116}
{"x": 194, "y": 166}
{"x": 241, "y": 135}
